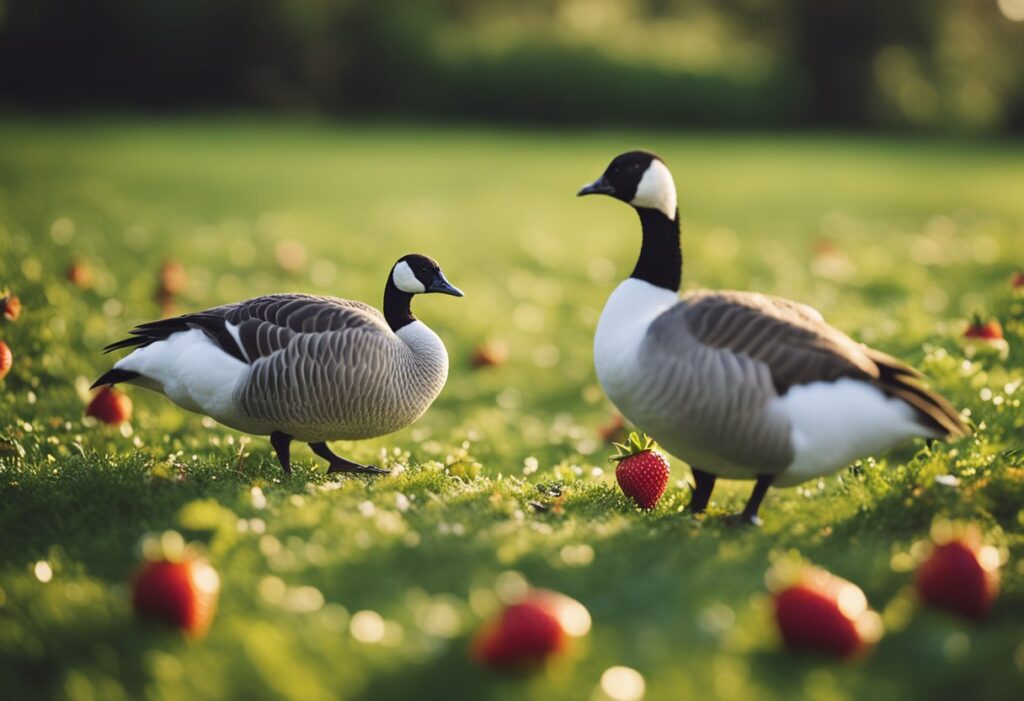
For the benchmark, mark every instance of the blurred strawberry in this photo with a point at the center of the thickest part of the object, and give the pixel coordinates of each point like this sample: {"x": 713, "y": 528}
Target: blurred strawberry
{"x": 6, "y": 360}
{"x": 180, "y": 593}
{"x": 1017, "y": 281}
{"x": 10, "y": 307}
{"x": 960, "y": 575}
{"x": 80, "y": 275}
{"x": 531, "y": 631}
{"x": 290, "y": 255}
{"x": 110, "y": 406}
{"x": 173, "y": 277}
{"x": 989, "y": 330}
{"x": 823, "y": 246}
{"x": 642, "y": 472}
{"x": 819, "y": 611}
{"x": 489, "y": 354}
{"x": 525, "y": 635}
{"x": 985, "y": 338}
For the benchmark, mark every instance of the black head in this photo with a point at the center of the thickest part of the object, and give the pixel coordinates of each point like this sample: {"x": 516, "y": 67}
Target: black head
{"x": 638, "y": 178}
{"x": 416, "y": 274}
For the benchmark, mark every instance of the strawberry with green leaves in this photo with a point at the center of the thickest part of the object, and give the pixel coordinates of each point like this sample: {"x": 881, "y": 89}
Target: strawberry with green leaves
{"x": 984, "y": 338}
{"x": 979, "y": 328}
{"x": 642, "y": 471}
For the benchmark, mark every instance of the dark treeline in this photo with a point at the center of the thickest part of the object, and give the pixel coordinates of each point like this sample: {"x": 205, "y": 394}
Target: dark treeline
{"x": 931, "y": 64}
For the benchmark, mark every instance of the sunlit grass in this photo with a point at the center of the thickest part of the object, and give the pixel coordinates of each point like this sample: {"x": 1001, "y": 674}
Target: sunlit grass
{"x": 897, "y": 242}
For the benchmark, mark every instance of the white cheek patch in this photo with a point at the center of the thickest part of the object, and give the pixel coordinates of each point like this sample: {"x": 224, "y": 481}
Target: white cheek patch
{"x": 657, "y": 190}
{"x": 405, "y": 279}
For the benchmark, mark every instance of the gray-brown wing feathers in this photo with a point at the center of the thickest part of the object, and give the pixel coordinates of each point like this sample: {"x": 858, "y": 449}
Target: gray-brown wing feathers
{"x": 797, "y": 347}
{"x": 321, "y": 361}
{"x": 264, "y": 324}
{"x": 269, "y": 324}
{"x": 327, "y": 377}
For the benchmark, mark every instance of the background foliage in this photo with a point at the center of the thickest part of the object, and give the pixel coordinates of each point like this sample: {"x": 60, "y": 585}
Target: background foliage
{"x": 926, "y": 64}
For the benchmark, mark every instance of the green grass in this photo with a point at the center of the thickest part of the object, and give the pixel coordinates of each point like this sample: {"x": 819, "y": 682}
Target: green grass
{"x": 926, "y": 233}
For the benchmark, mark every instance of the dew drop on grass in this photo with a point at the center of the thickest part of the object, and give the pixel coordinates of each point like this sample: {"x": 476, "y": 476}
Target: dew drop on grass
{"x": 367, "y": 627}
{"x": 62, "y": 230}
{"x": 956, "y": 645}
{"x": 577, "y": 555}
{"x": 304, "y": 599}
{"x": 269, "y": 545}
{"x": 402, "y": 502}
{"x": 623, "y": 684}
{"x": 43, "y": 571}
{"x": 511, "y": 586}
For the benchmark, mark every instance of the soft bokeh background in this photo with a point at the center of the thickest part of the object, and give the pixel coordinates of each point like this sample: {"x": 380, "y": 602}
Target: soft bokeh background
{"x": 863, "y": 157}
{"x": 952, "y": 65}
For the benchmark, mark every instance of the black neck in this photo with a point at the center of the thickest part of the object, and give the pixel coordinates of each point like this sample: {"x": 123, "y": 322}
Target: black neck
{"x": 661, "y": 257}
{"x": 396, "y": 307}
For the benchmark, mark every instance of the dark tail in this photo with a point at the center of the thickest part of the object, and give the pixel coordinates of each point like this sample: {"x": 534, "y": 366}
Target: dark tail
{"x": 935, "y": 411}
{"x": 113, "y": 376}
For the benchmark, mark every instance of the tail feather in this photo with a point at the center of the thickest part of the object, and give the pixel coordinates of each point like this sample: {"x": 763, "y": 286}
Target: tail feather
{"x": 934, "y": 410}
{"x": 133, "y": 342}
{"x": 897, "y": 379}
{"x": 113, "y": 376}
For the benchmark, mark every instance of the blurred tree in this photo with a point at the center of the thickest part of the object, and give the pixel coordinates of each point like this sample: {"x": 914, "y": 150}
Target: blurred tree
{"x": 755, "y": 63}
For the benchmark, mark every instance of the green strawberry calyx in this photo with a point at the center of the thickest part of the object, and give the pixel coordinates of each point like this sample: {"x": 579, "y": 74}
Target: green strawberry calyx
{"x": 634, "y": 445}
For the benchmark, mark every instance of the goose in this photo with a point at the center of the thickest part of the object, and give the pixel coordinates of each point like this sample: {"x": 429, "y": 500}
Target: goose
{"x": 743, "y": 385}
{"x": 299, "y": 367}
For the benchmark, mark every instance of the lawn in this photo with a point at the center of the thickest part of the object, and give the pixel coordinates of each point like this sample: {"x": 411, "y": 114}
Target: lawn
{"x": 896, "y": 241}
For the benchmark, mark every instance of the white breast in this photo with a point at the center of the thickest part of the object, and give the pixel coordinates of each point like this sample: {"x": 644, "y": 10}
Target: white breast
{"x": 426, "y": 345}
{"x": 623, "y": 324}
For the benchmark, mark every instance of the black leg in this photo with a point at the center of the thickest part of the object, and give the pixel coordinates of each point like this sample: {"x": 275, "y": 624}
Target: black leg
{"x": 749, "y": 515}
{"x": 705, "y": 482}
{"x": 340, "y": 464}
{"x": 282, "y": 444}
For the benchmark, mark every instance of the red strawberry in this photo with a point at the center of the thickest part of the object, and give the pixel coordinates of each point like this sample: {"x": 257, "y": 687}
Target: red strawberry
{"x": 960, "y": 576}
{"x": 110, "y": 406}
{"x": 6, "y": 360}
{"x": 642, "y": 472}
{"x": 10, "y": 306}
{"x": 529, "y": 632}
{"x": 1017, "y": 281}
{"x": 182, "y": 594}
{"x": 989, "y": 330}
{"x": 524, "y": 635}
{"x": 823, "y": 612}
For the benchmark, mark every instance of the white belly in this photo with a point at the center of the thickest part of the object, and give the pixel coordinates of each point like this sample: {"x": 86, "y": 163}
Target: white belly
{"x": 195, "y": 374}
{"x": 837, "y": 423}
